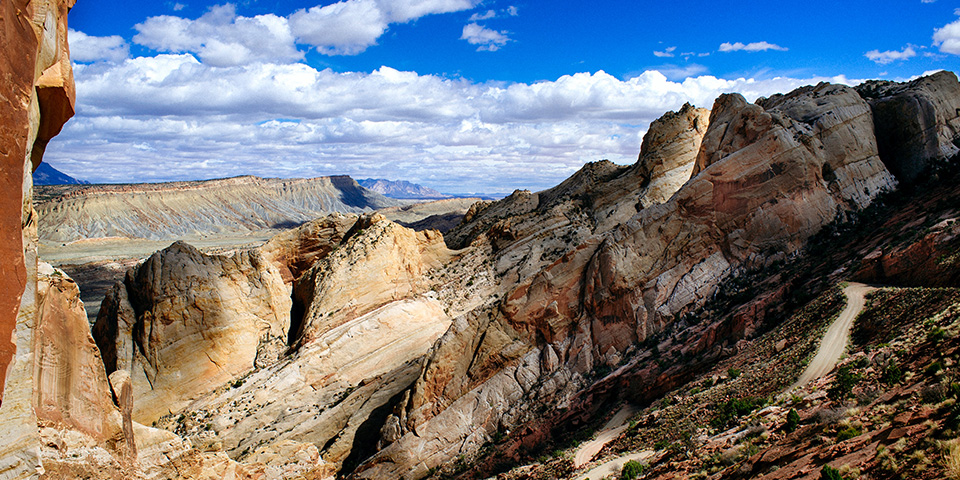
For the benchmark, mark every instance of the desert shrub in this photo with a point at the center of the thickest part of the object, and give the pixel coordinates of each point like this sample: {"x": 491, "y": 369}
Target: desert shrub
{"x": 933, "y": 393}
{"x": 736, "y": 408}
{"x": 936, "y": 335}
{"x": 843, "y": 383}
{"x": 933, "y": 368}
{"x": 827, "y": 416}
{"x": 892, "y": 374}
{"x": 632, "y": 469}
{"x": 793, "y": 419}
{"x": 733, "y": 373}
{"x": 848, "y": 433}
{"x": 830, "y": 473}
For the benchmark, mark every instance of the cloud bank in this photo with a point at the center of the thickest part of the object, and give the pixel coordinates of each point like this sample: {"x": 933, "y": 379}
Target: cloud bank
{"x": 175, "y": 117}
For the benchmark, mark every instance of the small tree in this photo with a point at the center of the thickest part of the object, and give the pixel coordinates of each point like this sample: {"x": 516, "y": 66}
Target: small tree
{"x": 793, "y": 419}
{"x": 631, "y": 470}
{"x": 843, "y": 384}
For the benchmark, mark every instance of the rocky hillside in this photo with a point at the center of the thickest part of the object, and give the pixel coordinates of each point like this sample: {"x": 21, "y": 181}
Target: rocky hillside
{"x": 470, "y": 354}
{"x": 213, "y": 207}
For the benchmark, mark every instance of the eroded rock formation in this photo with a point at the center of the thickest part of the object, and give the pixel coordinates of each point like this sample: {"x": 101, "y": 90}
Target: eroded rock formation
{"x": 916, "y": 123}
{"x": 37, "y": 97}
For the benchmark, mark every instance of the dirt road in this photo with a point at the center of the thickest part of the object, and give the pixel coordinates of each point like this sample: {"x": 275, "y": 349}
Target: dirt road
{"x": 614, "y": 467}
{"x": 835, "y": 340}
{"x": 610, "y": 431}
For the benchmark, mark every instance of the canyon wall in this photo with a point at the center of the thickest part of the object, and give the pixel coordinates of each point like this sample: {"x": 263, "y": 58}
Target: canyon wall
{"x": 37, "y": 97}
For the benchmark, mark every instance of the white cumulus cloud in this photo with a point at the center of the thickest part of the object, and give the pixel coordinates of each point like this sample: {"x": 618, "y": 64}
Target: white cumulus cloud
{"x": 750, "y": 47}
{"x": 221, "y": 38}
{"x": 948, "y": 37}
{"x": 487, "y": 40}
{"x": 88, "y": 48}
{"x": 666, "y": 53}
{"x": 890, "y": 56}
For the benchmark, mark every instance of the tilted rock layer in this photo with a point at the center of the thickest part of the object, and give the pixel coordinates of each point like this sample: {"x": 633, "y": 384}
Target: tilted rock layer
{"x": 359, "y": 346}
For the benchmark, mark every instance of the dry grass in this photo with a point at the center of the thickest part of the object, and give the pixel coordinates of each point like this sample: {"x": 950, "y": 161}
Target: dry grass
{"x": 951, "y": 460}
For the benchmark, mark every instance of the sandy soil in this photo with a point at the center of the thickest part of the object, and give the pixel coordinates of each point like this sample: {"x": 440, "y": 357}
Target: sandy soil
{"x": 607, "y": 434}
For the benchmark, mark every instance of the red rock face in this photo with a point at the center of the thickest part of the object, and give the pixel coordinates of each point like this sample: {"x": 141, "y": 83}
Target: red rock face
{"x": 35, "y": 57}
{"x": 17, "y": 60}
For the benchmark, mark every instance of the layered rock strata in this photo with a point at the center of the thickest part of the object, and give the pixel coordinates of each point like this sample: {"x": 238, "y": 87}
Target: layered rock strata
{"x": 37, "y": 97}
{"x": 214, "y": 207}
{"x": 767, "y": 177}
{"x": 400, "y": 354}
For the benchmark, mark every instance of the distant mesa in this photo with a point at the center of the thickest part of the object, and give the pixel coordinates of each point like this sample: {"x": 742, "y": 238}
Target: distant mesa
{"x": 172, "y": 210}
{"x": 401, "y": 189}
{"x": 47, "y": 175}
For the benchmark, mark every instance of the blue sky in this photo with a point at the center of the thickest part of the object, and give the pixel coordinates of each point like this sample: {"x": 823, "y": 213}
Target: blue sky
{"x": 460, "y": 95}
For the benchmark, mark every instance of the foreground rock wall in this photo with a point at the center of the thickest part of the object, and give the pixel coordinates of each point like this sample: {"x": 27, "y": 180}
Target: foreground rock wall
{"x": 37, "y": 97}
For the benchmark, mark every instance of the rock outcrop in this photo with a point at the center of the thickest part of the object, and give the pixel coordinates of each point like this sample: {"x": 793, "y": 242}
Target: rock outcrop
{"x": 916, "y": 122}
{"x": 184, "y": 323}
{"x": 81, "y": 429}
{"x": 37, "y": 97}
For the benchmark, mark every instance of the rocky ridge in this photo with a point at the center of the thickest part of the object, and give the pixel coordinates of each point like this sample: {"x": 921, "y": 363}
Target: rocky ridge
{"x": 213, "y": 207}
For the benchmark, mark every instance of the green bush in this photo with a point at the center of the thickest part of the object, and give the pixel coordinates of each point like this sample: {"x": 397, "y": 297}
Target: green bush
{"x": 793, "y": 419}
{"x": 843, "y": 383}
{"x": 830, "y": 473}
{"x": 892, "y": 375}
{"x": 736, "y": 408}
{"x": 848, "y": 433}
{"x": 631, "y": 470}
{"x": 733, "y": 373}
{"x": 933, "y": 368}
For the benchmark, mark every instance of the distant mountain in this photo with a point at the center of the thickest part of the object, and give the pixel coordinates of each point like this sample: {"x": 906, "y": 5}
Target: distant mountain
{"x": 401, "y": 189}
{"x": 47, "y": 175}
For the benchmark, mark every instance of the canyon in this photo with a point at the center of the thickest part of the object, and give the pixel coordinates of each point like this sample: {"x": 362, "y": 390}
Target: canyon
{"x": 468, "y": 339}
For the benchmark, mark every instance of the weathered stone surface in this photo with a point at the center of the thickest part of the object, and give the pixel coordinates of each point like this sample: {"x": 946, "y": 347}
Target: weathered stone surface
{"x": 295, "y": 251}
{"x": 34, "y": 36}
{"x": 916, "y": 122}
{"x": 190, "y": 323}
{"x": 384, "y": 262}
{"x": 71, "y": 385}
